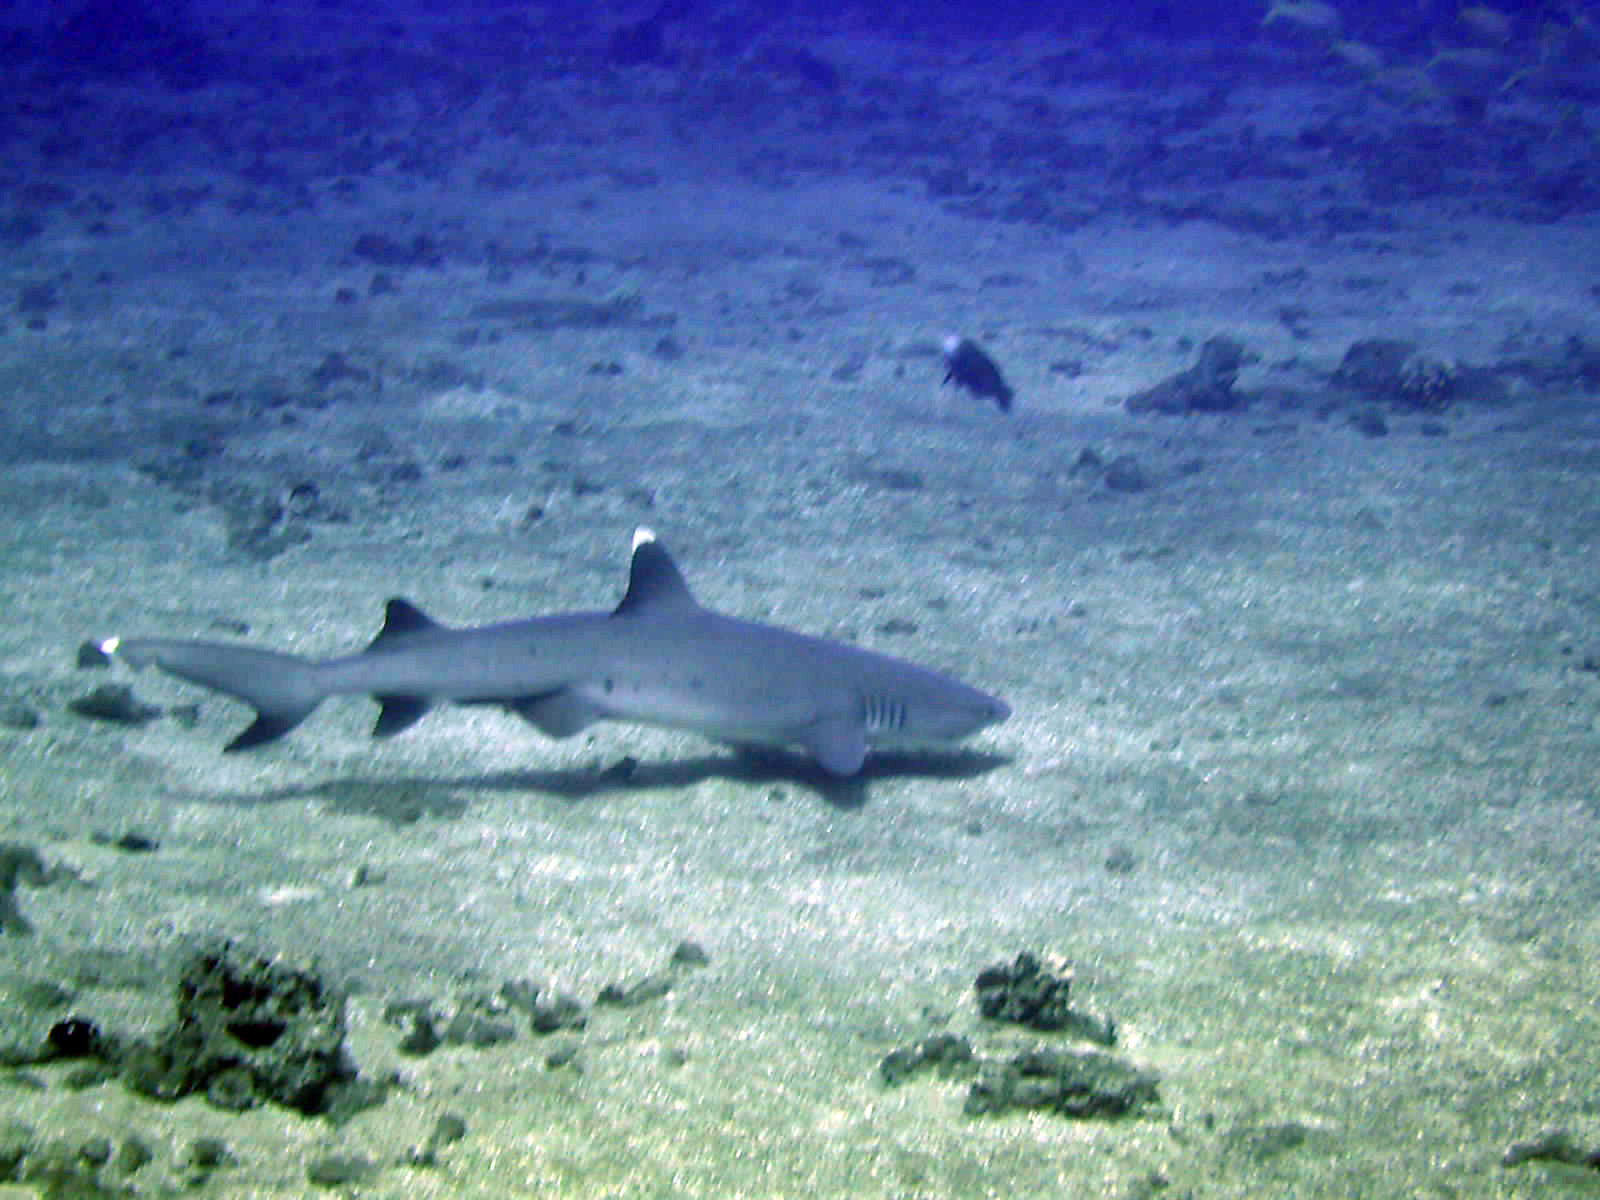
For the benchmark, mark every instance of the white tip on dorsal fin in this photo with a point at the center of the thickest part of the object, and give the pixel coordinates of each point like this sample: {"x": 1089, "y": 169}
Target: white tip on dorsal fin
{"x": 109, "y": 646}
{"x": 654, "y": 584}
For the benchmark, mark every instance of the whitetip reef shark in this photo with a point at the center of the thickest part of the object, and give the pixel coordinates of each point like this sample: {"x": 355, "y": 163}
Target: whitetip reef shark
{"x": 660, "y": 658}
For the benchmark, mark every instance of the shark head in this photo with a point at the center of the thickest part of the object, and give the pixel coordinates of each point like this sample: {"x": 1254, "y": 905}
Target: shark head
{"x": 929, "y": 713}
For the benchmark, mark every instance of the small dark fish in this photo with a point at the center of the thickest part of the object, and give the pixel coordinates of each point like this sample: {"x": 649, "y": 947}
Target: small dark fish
{"x": 967, "y": 363}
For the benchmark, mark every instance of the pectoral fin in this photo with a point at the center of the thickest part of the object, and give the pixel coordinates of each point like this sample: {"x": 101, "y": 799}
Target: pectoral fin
{"x": 557, "y": 714}
{"x": 838, "y": 743}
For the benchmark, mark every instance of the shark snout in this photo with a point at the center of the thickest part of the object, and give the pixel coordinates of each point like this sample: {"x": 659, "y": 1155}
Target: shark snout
{"x": 987, "y": 711}
{"x": 954, "y": 717}
{"x": 996, "y": 711}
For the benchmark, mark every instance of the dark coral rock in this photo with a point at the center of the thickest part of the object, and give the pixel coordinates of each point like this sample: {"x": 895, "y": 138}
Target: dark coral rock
{"x": 479, "y": 1021}
{"x": 1205, "y": 387}
{"x": 1025, "y": 993}
{"x": 447, "y": 1130}
{"x": 1372, "y": 366}
{"x": 520, "y": 994}
{"x": 132, "y": 1154}
{"x": 75, "y": 1038}
{"x": 1394, "y": 374}
{"x": 233, "y": 1090}
{"x": 248, "y": 1030}
{"x": 335, "y": 368}
{"x": 417, "y": 1025}
{"x": 557, "y": 1013}
{"x": 1427, "y": 384}
{"x": 689, "y": 954}
{"x": 900, "y": 1065}
{"x": 476, "y": 1020}
{"x": 1125, "y": 473}
{"x": 1369, "y": 422}
{"x": 16, "y": 1140}
{"x": 18, "y": 864}
{"x": 129, "y": 843}
{"x": 635, "y": 993}
{"x": 1212, "y": 378}
{"x": 341, "y": 1170}
{"x": 947, "y": 1053}
{"x": 1552, "y": 1145}
{"x": 1067, "y": 1084}
{"x": 209, "y": 1153}
{"x": 1028, "y": 993}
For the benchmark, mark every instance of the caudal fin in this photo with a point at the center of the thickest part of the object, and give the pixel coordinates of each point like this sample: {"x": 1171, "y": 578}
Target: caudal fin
{"x": 281, "y": 688}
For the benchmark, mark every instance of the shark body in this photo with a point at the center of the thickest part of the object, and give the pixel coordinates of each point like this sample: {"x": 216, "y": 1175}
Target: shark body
{"x": 659, "y": 658}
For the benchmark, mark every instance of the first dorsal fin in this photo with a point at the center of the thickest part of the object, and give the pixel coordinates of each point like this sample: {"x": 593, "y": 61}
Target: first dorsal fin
{"x": 655, "y": 584}
{"x": 401, "y": 617}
